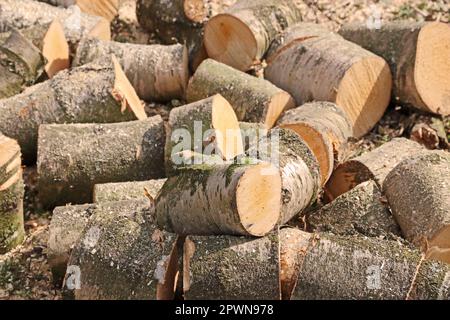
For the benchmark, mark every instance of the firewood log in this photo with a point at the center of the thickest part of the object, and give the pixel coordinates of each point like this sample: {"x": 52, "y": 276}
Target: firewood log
{"x": 241, "y": 36}
{"x": 253, "y": 99}
{"x": 325, "y": 266}
{"x": 418, "y": 192}
{"x": 72, "y": 158}
{"x": 231, "y": 268}
{"x": 21, "y": 64}
{"x": 118, "y": 191}
{"x": 374, "y": 165}
{"x": 221, "y": 199}
{"x": 418, "y": 54}
{"x": 329, "y": 68}
{"x": 12, "y": 230}
{"x": 122, "y": 255}
{"x": 157, "y": 72}
{"x": 325, "y": 128}
{"x": 358, "y": 211}
{"x": 91, "y": 93}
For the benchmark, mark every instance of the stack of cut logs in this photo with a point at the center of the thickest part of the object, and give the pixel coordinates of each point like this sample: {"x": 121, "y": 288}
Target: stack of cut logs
{"x": 139, "y": 217}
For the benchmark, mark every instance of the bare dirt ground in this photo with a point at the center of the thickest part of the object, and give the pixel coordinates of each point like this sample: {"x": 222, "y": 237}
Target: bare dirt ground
{"x": 24, "y": 272}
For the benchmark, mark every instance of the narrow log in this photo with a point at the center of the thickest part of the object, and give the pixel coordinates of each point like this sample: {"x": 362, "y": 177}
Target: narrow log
{"x": 329, "y": 68}
{"x": 417, "y": 53}
{"x": 299, "y": 170}
{"x": 358, "y": 211}
{"x": 251, "y": 133}
{"x": 21, "y": 64}
{"x": 208, "y": 126}
{"x": 221, "y": 199}
{"x": 418, "y": 193}
{"x": 325, "y": 128}
{"x": 337, "y": 267}
{"x": 12, "y": 230}
{"x": 72, "y": 158}
{"x": 241, "y": 36}
{"x": 253, "y": 99}
{"x": 127, "y": 190}
{"x": 231, "y": 268}
{"x": 122, "y": 255}
{"x": 157, "y": 72}
{"x": 90, "y": 93}
{"x": 374, "y": 165}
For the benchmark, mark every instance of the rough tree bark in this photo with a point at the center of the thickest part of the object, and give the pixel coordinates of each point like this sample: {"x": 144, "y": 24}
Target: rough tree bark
{"x": 253, "y": 99}
{"x": 60, "y": 3}
{"x": 418, "y": 193}
{"x": 417, "y": 53}
{"x": 221, "y": 199}
{"x": 358, "y": 211}
{"x": 325, "y": 128}
{"x": 127, "y": 190}
{"x": 12, "y": 230}
{"x": 241, "y": 36}
{"x": 72, "y": 158}
{"x": 337, "y": 267}
{"x": 90, "y": 93}
{"x": 122, "y": 255}
{"x": 230, "y": 268}
{"x": 329, "y": 68}
{"x": 374, "y": 165}
{"x": 156, "y": 72}
{"x": 251, "y": 133}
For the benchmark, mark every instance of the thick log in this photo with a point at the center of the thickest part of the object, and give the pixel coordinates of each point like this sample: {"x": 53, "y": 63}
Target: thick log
{"x": 157, "y": 72}
{"x": 418, "y": 193}
{"x": 251, "y": 133}
{"x": 122, "y": 255}
{"x": 72, "y": 158}
{"x": 374, "y": 165}
{"x": 358, "y": 211}
{"x": 231, "y": 268}
{"x": 21, "y": 64}
{"x": 299, "y": 170}
{"x": 253, "y": 99}
{"x": 90, "y": 93}
{"x": 221, "y": 199}
{"x": 329, "y": 68}
{"x": 325, "y": 128}
{"x": 12, "y": 230}
{"x": 241, "y": 36}
{"x": 417, "y": 53}
{"x": 337, "y": 267}
{"x": 208, "y": 126}
{"x": 127, "y": 190}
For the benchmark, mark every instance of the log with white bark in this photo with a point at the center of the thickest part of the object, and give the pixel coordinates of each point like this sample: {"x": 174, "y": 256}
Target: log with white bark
{"x": 157, "y": 72}
{"x": 241, "y": 36}
{"x": 324, "y": 266}
{"x": 97, "y": 92}
{"x": 418, "y": 192}
{"x": 358, "y": 211}
{"x": 221, "y": 199}
{"x": 12, "y": 230}
{"x": 121, "y": 254}
{"x": 251, "y": 133}
{"x": 330, "y": 68}
{"x": 117, "y": 191}
{"x": 72, "y": 158}
{"x": 325, "y": 128}
{"x": 231, "y": 268}
{"x": 417, "y": 53}
{"x": 21, "y": 64}
{"x": 253, "y": 99}
{"x": 374, "y": 165}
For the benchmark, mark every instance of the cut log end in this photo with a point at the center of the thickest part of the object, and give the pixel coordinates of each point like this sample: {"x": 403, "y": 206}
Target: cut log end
{"x": 258, "y": 199}
{"x": 364, "y": 93}
{"x": 124, "y": 92}
{"x": 230, "y": 41}
{"x": 101, "y": 31}
{"x": 280, "y": 102}
{"x": 439, "y": 246}
{"x": 195, "y": 10}
{"x": 107, "y": 9}
{"x": 55, "y": 49}
{"x": 8, "y": 149}
{"x": 432, "y": 70}
{"x": 188, "y": 253}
